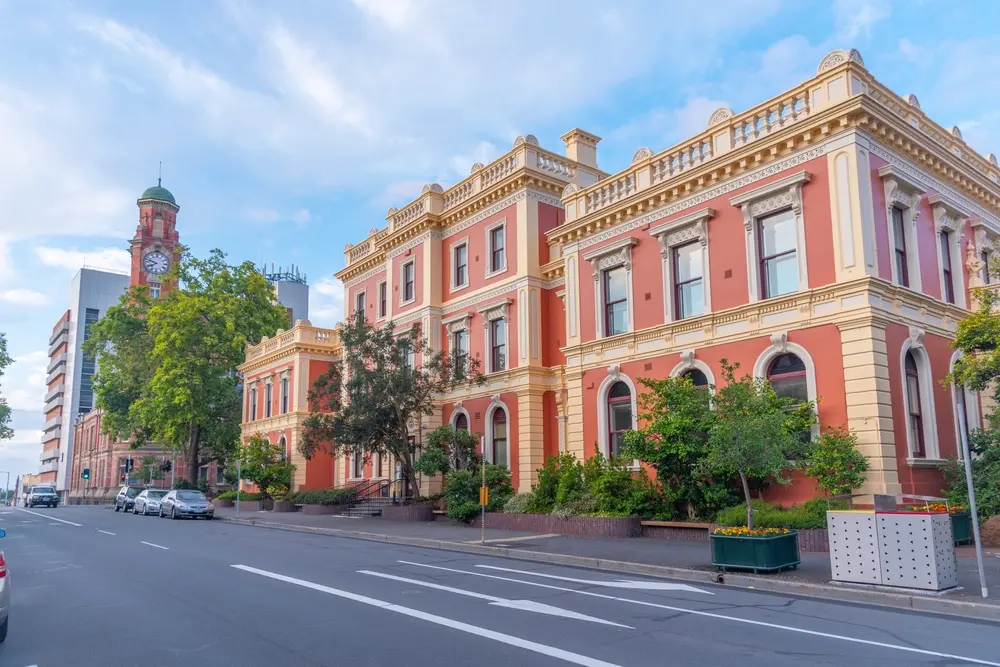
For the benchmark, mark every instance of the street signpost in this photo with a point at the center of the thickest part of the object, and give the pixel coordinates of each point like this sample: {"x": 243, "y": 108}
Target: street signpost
{"x": 484, "y": 492}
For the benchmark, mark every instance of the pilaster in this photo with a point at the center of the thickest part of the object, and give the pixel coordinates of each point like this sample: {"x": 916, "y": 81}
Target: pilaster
{"x": 530, "y": 438}
{"x": 574, "y": 414}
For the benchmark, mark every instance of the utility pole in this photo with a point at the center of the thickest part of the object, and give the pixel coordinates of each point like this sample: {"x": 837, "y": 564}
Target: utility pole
{"x": 967, "y": 455}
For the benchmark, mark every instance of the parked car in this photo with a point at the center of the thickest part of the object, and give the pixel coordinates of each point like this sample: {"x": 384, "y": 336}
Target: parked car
{"x": 4, "y": 595}
{"x": 148, "y": 502}
{"x": 126, "y": 497}
{"x": 43, "y": 495}
{"x": 180, "y": 503}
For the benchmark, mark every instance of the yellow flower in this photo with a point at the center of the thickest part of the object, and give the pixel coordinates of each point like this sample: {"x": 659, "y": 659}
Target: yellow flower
{"x": 743, "y": 531}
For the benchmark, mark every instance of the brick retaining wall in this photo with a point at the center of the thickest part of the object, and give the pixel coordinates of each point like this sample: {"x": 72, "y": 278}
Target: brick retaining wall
{"x": 408, "y": 512}
{"x": 580, "y": 526}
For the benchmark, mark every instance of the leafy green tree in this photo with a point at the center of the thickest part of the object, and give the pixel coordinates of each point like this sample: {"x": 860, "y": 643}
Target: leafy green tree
{"x": 754, "y": 431}
{"x": 677, "y": 417}
{"x": 984, "y": 445}
{"x": 448, "y": 448}
{"x": 836, "y": 464}
{"x": 167, "y": 367}
{"x": 6, "y": 432}
{"x": 371, "y": 401}
{"x": 265, "y": 465}
{"x": 461, "y": 491}
{"x": 150, "y": 468}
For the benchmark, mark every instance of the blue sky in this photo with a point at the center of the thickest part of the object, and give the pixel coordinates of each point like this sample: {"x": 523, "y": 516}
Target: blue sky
{"x": 287, "y": 130}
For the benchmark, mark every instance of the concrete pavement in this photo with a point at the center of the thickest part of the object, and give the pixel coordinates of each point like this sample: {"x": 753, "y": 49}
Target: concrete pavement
{"x": 97, "y": 588}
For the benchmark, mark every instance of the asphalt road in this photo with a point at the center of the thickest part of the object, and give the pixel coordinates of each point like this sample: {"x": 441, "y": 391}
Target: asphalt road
{"x": 93, "y": 588}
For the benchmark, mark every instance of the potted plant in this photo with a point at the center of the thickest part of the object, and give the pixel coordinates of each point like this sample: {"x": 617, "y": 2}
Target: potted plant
{"x": 757, "y": 549}
{"x": 754, "y": 434}
{"x": 961, "y": 519}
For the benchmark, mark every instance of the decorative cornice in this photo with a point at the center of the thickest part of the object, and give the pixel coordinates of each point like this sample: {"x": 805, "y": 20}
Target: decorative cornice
{"x": 364, "y": 276}
{"x": 766, "y": 192}
{"x": 430, "y": 235}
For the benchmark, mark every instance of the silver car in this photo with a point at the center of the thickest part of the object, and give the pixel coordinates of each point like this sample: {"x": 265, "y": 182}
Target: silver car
{"x": 180, "y": 503}
{"x": 148, "y": 502}
{"x": 4, "y": 595}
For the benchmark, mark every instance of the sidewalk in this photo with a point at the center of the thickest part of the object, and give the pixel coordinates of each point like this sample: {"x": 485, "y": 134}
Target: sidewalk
{"x": 647, "y": 556}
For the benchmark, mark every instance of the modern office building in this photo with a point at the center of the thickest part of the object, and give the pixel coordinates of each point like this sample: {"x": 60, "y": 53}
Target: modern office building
{"x": 292, "y": 290}
{"x": 828, "y": 239}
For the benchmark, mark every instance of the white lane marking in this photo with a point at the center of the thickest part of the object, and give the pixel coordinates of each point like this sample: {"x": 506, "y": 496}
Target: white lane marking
{"x": 510, "y": 640}
{"x": 630, "y": 584}
{"x": 524, "y": 605}
{"x": 515, "y": 539}
{"x": 150, "y": 544}
{"x": 723, "y": 617}
{"x": 46, "y": 516}
{"x": 105, "y": 532}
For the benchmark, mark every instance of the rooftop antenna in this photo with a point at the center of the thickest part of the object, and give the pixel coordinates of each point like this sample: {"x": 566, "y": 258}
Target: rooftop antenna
{"x": 159, "y": 177}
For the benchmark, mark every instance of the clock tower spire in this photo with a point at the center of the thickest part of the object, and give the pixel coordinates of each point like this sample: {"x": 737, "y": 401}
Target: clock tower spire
{"x": 154, "y": 247}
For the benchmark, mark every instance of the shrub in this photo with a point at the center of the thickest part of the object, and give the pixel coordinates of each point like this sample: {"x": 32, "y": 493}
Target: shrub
{"x": 811, "y": 514}
{"x": 461, "y": 490}
{"x": 519, "y": 504}
{"x": 579, "y": 507}
{"x": 321, "y": 496}
{"x": 985, "y": 447}
{"x": 836, "y": 463}
{"x": 244, "y": 495}
{"x": 568, "y": 487}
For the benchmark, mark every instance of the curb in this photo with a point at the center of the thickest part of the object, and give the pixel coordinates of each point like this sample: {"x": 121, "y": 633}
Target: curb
{"x": 909, "y": 602}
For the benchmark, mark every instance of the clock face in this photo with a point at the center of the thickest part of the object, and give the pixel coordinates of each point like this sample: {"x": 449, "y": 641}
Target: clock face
{"x": 156, "y": 263}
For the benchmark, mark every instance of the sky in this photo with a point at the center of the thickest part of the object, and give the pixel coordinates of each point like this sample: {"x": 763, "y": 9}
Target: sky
{"x": 286, "y": 130}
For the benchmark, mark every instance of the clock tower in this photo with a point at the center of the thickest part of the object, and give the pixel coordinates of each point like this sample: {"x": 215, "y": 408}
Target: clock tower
{"x": 155, "y": 247}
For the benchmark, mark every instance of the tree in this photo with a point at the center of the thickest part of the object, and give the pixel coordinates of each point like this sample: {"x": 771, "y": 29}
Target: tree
{"x": 754, "y": 431}
{"x": 149, "y": 468}
{"x": 6, "y": 432}
{"x": 446, "y": 449}
{"x": 370, "y": 402}
{"x": 836, "y": 463}
{"x": 167, "y": 367}
{"x": 677, "y": 417}
{"x": 264, "y": 464}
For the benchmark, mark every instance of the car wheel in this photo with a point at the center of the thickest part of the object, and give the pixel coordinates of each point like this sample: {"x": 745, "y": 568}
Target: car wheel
{"x": 3, "y": 629}
{"x": 161, "y": 513}
{"x": 116, "y": 507}
{"x": 173, "y": 513}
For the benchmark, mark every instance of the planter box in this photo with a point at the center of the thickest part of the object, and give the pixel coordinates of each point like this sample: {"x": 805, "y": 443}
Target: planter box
{"x": 408, "y": 512}
{"x": 771, "y": 553}
{"x": 224, "y": 502}
{"x": 323, "y": 509}
{"x": 284, "y": 506}
{"x": 961, "y": 527}
{"x": 256, "y": 505}
{"x": 580, "y": 526}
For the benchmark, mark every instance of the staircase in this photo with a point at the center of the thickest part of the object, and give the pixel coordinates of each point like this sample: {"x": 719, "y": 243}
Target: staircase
{"x": 368, "y": 507}
{"x": 370, "y": 498}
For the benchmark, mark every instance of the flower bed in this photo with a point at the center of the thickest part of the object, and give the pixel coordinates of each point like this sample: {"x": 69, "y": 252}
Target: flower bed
{"x": 581, "y": 526}
{"x": 760, "y": 550}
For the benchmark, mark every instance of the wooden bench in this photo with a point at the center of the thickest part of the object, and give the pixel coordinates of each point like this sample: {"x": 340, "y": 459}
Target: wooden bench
{"x": 678, "y": 524}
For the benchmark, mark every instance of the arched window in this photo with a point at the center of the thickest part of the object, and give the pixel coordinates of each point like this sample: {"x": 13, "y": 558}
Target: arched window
{"x": 914, "y": 420}
{"x": 283, "y": 446}
{"x": 787, "y": 375}
{"x": 619, "y": 416}
{"x": 499, "y": 439}
{"x": 696, "y": 376}
{"x": 461, "y": 422}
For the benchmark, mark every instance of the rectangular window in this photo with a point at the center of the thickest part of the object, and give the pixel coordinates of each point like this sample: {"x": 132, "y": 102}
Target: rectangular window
{"x": 498, "y": 345}
{"x": 460, "y": 348}
{"x": 88, "y": 365}
{"x": 253, "y": 405}
{"x": 409, "y": 356}
{"x": 689, "y": 294}
{"x": 984, "y": 257}
{"x": 220, "y": 474}
{"x": 284, "y": 395}
{"x": 461, "y": 265}
{"x": 203, "y": 474}
{"x": 902, "y": 272}
{"x": 408, "y": 285}
{"x": 498, "y": 257}
{"x": 154, "y": 290}
{"x": 615, "y": 286}
{"x": 779, "y": 265}
{"x": 382, "y": 294}
{"x": 359, "y": 304}
{"x": 268, "y": 396}
{"x": 949, "y": 285}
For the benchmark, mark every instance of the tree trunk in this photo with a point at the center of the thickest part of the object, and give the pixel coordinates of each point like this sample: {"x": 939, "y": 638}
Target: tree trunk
{"x": 192, "y": 454}
{"x": 746, "y": 494}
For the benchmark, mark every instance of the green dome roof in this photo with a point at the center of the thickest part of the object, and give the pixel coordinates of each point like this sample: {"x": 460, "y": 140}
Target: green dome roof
{"x": 158, "y": 193}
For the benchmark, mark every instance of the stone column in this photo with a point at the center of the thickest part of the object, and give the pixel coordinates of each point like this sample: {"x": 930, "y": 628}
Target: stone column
{"x": 530, "y": 437}
{"x": 869, "y": 403}
{"x": 574, "y": 413}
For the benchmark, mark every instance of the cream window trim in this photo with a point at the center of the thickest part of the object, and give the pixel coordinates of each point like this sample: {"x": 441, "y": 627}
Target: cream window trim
{"x": 496, "y": 310}
{"x": 691, "y": 227}
{"x": 403, "y": 301}
{"x": 495, "y": 404}
{"x": 603, "y": 259}
{"x": 489, "y": 249}
{"x": 688, "y": 363}
{"x": 603, "y": 419}
{"x": 903, "y": 193}
{"x": 360, "y": 294}
{"x": 950, "y": 219}
{"x": 761, "y": 202}
{"x": 779, "y": 345}
{"x": 915, "y": 343}
{"x": 379, "y": 316}
{"x": 453, "y": 265}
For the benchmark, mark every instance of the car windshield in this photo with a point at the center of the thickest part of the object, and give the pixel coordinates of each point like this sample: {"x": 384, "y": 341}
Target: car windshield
{"x": 133, "y": 492}
{"x": 156, "y": 495}
{"x": 190, "y": 495}
{"x": 43, "y": 489}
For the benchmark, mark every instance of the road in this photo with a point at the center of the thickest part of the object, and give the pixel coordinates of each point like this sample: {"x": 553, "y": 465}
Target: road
{"x": 94, "y": 588}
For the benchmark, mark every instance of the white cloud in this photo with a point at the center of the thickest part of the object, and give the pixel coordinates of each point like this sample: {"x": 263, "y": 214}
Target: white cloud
{"x": 302, "y": 216}
{"x": 397, "y": 194}
{"x": 326, "y": 302}
{"x": 114, "y": 259}
{"x": 856, "y": 18}
{"x": 915, "y": 53}
{"x": 24, "y": 381}
{"x": 19, "y": 455}
{"x": 23, "y": 297}
{"x": 267, "y": 215}
{"x": 661, "y": 128}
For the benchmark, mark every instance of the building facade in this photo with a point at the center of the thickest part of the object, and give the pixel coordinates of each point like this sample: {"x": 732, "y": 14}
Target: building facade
{"x": 826, "y": 239}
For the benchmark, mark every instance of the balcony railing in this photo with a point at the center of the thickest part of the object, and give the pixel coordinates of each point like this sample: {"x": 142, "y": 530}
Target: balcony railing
{"x": 56, "y": 362}
{"x": 300, "y": 334}
{"x": 49, "y": 466}
{"x": 58, "y": 331}
{"x": 49, "y": 454}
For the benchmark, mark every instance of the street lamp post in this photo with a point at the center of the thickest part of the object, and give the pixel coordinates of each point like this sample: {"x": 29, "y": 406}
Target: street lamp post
{"x": 967, "y": 455}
